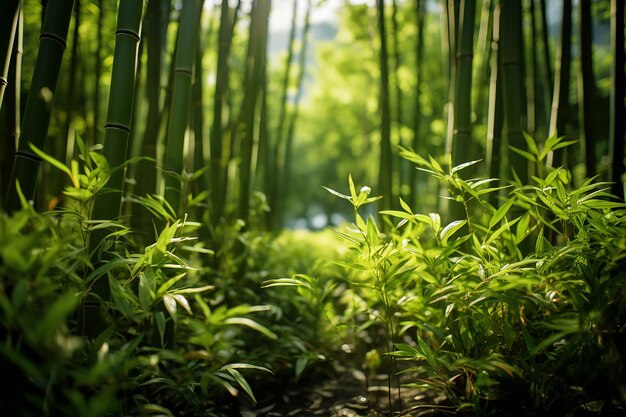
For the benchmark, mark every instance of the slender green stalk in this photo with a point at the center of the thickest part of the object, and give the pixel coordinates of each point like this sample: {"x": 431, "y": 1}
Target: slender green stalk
{"x": 495, "y": 119}
{"x": 72, "y": 82}
{"x": 400, "y": 163}
{"x": 616, "y": 131}
{"x": 462, "y": 149}
{"x": 187, "y": 45}
{"x": 452, "y": 23}
{"x": 586, "y": 87}
{"x": 275, "y": 194}
{"x": 286, "y": 185}
{"x": 9, "y": 10}
{"x": 217, "y": 160}
{"x": 253, "y": 83}
{"x": 119, "y": 112}
{"x": 9, "y": 84}
{"x": 154, "y": 65}
{"x": 420, "y": 18}
{"x": 512, "y": 84}
{"x": 385, "y": 171}
{"x": 39, "y": 105}
{"x": 146, "y": 172}
{"x": 560, "y": 99}
{"x": 480, "y": 81}
{"x": 547, "y": 81}
{"x": 98, "y": 74}
{"x": 531, "y": 72}
{"x": 197, "y": 106}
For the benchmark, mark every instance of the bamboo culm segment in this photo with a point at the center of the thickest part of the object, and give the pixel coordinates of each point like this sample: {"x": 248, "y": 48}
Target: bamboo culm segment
{"x": 385, "y": 183}
{"x": 512, "y": 83}
{"x": 119, "y": 111}
{"x": 186, "y": 48}
{"x": 461, "y": 143}
{"x": 10, "y": 11}
{"x": 52, "y": 43}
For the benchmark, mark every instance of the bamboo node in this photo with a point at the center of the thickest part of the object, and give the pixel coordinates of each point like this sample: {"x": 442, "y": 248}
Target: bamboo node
{"x": 183, "y": 70}
{"x": 117, "y": 126}
{"x": 56, "y": 38}
{"x": 129, "y": 33}
{"x": 27, "y": 155}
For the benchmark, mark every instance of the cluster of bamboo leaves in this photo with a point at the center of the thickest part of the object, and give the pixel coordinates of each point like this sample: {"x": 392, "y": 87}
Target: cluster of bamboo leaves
{"x": 141, "y": 333}
{"x": 512, "y": 309}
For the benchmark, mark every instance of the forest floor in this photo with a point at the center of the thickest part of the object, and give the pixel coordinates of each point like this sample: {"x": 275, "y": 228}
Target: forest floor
{"x": 347, "y": 393}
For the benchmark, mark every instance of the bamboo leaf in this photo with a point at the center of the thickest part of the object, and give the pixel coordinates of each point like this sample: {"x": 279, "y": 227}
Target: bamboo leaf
{"x": 500, "y": 213}
{"x": 244, "y": 321}
{"x": 170, "y": 305}
{"x": 450, "y": 229}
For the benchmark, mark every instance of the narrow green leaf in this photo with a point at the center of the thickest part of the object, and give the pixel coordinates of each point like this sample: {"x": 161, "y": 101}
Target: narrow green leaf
{"x": 244, "y": 321}
{"x": 182, "y": 301}
{"x": 170, "y": 305}
{"x": 241, "y": 381}
{"x": 159, "y": 318}
{"x": 500, "y": 213}
{"x": 450, "y": 229}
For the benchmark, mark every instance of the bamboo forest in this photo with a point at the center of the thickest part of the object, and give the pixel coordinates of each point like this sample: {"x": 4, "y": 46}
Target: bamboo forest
{"x": 340, "y": 208}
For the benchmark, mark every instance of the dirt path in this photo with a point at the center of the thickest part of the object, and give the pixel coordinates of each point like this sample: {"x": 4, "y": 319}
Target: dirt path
{"x": 349, "y": 394}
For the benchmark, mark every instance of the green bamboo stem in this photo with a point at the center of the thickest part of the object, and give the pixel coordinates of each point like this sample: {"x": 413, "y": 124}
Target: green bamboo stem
{"x": 512, "y": 84}
{"x": 187, "y": 44}
{"x": 71, "y": 86}
{"x": 98, "y": 74}
{"x": 278, "y": 160}
{"x": 385, "y": 170}
{"x": 495, "y": 119}
{"x": 197, "y": 106}
{"x": 254, "y": 77}
{"x": 586, "y": 87}
{"x": 462, "y": 149}
{"x": 547, "y": 78}
{"x": 9, "y": 10}
{"x": 420, "y": 15}
{"x": 10, "y": 29}
{"x": 531, "y": 72}
{"x": 560, "y": 99}
{"x": 616, "y": 130}
{"x": 119, "y": 112}
{"x": 286, "y": 185}
{"x": 39, "y": 104}
{"x": 452, "y": 21}
{"x": 217, "y": 160}
{"x": 480, "y": 81}
{"x": 400, "y": 163}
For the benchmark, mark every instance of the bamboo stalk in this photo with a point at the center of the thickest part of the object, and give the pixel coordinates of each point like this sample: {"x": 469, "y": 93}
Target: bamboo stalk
{"x": 119, "y": 111}
{"x": 560, "y": 99}
{"x": 547, "y": 79}
{"x": 254, "y": 77}
{"x": 187, "y": 45}
{"x": 286, "y": 185}
{"x": 616, "y": 131}
{"x": 495, "y": 117}
{"x": 278, "y": 159}
{"x": 462, "y": 149}
{"x": 39, "y": 105}
{"x": 586, "y": 88}
{"x": 420, "y": 18}
{"x": 217, "y": 158}
{"x": 9, "y": 10}
{"x": 512, "y": 84}
{"x": 385, "y": 170}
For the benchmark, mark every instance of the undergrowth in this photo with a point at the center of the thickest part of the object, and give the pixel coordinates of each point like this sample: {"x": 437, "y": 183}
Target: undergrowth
{"x": 518, "y": 308}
